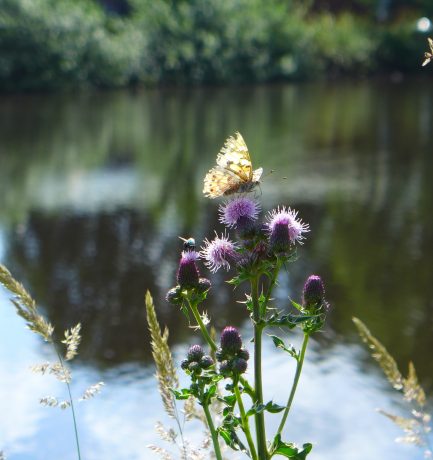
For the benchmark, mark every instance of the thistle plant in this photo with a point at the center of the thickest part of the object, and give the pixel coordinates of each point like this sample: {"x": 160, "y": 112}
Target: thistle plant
{"x": 65, "y": 348}
{"x": 256, "y": 250}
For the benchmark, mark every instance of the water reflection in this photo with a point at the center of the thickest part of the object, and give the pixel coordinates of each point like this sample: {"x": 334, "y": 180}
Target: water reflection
{"x": 96, "y": 188}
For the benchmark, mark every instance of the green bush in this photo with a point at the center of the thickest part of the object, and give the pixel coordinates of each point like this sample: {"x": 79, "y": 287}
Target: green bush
{"x": 46, "y": 44}
{"x": 57, "y": 43}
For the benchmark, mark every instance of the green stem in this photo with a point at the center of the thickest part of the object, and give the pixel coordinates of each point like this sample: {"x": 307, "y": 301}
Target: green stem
{"x": 203, "y": 329}
{"x": 258, "y": 329}
{"x": 295, "y": 382}
{"x": 245, "y": 423}
{"x": 70, "y": 401}
{"x": 272, "y": 283}
{"x": 213, "y": 432}
{"x": 213, "y": 345}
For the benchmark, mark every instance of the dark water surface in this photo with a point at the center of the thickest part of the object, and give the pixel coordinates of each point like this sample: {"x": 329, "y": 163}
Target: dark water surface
{"x": 94, "y": 191}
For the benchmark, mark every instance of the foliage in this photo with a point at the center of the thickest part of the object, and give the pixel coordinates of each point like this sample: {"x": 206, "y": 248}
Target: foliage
{"x": 48, "y": 44}
{"x": 58, "y": 43}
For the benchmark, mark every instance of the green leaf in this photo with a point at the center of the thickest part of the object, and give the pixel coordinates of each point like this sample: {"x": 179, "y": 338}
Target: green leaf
{"x": 271, "y": 407}
{"x": 184, "y": 393}
{"x": 274, "y": 408}
{"x": 289, "y": 450}
{"x": 279, "y": 343}
{"x": 298, "y": 306}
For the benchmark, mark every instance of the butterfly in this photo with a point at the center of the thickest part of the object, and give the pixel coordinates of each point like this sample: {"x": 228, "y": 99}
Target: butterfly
{"x": 428, "y": 56}
{"x": 233, "y": 172}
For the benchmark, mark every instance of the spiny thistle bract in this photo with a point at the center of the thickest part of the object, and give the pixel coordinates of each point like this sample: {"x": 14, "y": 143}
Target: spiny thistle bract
{"x": 256, "y": 253}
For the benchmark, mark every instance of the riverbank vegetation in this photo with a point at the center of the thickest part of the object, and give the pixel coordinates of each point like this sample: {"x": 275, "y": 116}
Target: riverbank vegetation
{"x": 55, "y": 44}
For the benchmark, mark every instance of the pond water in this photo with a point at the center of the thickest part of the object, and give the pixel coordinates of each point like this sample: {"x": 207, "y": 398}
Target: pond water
{"x": 95, "y": 189}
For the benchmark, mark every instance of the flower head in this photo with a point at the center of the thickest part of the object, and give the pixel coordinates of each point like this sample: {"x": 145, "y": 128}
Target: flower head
{"x": 285, "y": 229}
{"x": 219, "y": 252}
{"x": 195, "y": 353}
{"x": 188, "y": 274}
{"x": 231, "y": 341}
{"x": 239, "y": 211}
{"x": 313, "y": 293}
{"x": 239, "y": 365}
{"x": 173, "y": 296}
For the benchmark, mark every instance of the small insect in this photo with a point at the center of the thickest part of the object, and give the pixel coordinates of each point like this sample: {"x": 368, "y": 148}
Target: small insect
{"x": 233, "y": 172}
{"x": 428, "y": 56}
{"x": 188, "y": 243}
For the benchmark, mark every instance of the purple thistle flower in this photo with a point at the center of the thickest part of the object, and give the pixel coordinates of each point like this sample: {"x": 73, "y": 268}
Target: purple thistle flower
{"x": 187, "y": 274}
{"x": 239, "y": 210}
{"x": 218, "y": 252}
{"x": 285, "y": 229}
{"x": 231, "y": 341}
{"x": 314, "y": 292}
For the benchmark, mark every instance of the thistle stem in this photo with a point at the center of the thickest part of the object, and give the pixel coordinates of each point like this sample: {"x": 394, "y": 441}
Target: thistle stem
{"x": 245, "y": 423}
{"x": 213, "y": 432}
{"x": 300, "y": 362}
{"x": 258, "y": 400}
{"x": 203, "y": 328}
{"x": 272, "y": 283}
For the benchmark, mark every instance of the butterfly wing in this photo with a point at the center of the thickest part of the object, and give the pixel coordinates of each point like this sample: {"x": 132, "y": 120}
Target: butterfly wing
{"x": 234, "y": 156}
{"x": 220, "y": 180}
{"x": 257, "y": 174}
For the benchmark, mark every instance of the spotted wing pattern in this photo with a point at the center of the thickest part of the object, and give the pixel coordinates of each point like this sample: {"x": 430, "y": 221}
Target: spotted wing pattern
{"x": 233, "y": 172}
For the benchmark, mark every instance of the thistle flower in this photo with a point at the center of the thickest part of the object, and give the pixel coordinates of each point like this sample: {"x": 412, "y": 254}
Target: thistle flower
{"x": 231, "y": 341}
{"x": 285, "y": 229}
{"x": 239, "y": 210}
{"x": 313, "y": 293}
{"x": 218, "y": 252}
{"x": 188, "y": 274}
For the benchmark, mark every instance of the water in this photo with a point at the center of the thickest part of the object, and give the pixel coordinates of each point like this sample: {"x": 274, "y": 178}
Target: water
{"x": 96, "y": 188}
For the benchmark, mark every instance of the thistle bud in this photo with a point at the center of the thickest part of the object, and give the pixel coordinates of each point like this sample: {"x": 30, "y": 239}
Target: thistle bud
{"x": 184, "y": 364}
{"x": 194, "y": 366}
{"x": 203, "y": 285}
{"x": 244, "y": 354}
{"x": 230, "y": 341}
{"x": 225, "y": 367}
{"x": 173, "y": 296}
{"x": 188, "y": 274}
{"x": 195, "y": 353}
{"x": 239, "y": 365}
{"x": 206, "y": 362}
{"x": 314, "y": 292}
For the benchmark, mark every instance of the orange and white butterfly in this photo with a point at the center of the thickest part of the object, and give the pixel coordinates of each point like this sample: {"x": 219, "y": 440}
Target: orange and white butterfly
{"x": 428, "y": 56}
{"x": 233, "y": 172}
